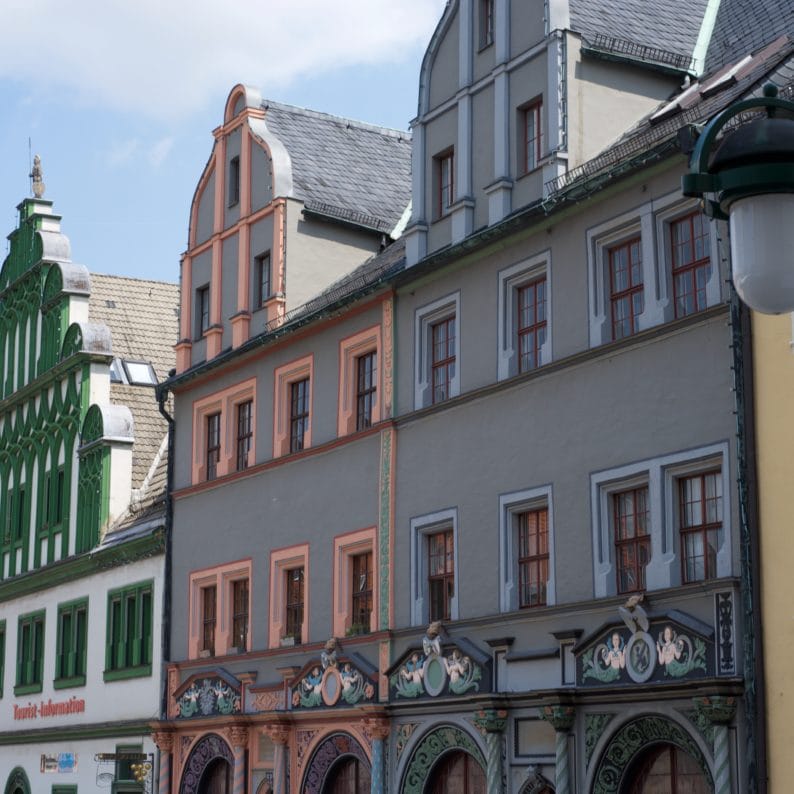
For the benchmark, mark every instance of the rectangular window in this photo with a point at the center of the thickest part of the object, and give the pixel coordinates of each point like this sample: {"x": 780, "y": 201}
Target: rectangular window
{"x": 209, "y": 619}
{"x": 128, "y": 651}
{"x": 632, "y": 539}
{"x": 626, "y": 287}
{"x": 234, "y": 181}
{"x": 700, "y": 523}
{"x": 2, "y": 654}
{"x": 202, "y": 310}
{"x": 531, "y": 326}
{"x": 240, "y": 614}
{"x": 366, "y": 387}
{"x": 441, "y": 574}
{"x": 486, "y": 23}
{"x": 298, "y": 414}
{"x": 445, "y": 182}
{"x": 213, "y": 445}
{"x": 30, "y": 654}
{"x": 443, "y": 358}
{"x": 362, "y": 592}
{"x": 689, "y": 238}
{"x": 531, "y": 136}
{"x": 262, "y": 276}
{"x": 533, "y": 557}
{"x": 245, "y": 433}
{"x": 294, "y": 586}
{"x": 70, "y": 661}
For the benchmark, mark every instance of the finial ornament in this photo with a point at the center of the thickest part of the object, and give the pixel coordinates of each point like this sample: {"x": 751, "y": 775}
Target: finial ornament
{"x": 38, "y": 185}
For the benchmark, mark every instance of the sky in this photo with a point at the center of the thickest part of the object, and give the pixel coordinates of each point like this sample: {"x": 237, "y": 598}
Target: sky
{"x": 120, "y": 97}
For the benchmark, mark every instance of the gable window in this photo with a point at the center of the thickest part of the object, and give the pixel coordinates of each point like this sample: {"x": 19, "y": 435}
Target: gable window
{"x": 626, "y": 287}
{"x": 294, "y": 587}
{"x": 441, "y": 573}
{"x": 531, "y": 136}
{"x": 444, "y": 168}
{"x": 443, "y": 362}
{"x": 209, "y": 619}
{"x": 128, "y": 651}
{"x": 213, "y": 445}
{"x": 70, "y": 661}
{"x": 30, "y": 653}
{"x": 298, "y": 414}
{"x": 245, "y": 433}
{"x": 700, "y": 522}
{"x": 533, "y": 557}
{"x": 202, "y": 311}
{"x": 240, "y": 614}
{"x": 486, "y": 23}
{"x": 691, "y": 263}
{"x": 262, "y": 278}
{"x": 632, "y": 541}
{"x": 366, "y": 388}
{"x": 234, "y": 181}
{"x": 531, "y": 324}
{"x": 361, "y": 608}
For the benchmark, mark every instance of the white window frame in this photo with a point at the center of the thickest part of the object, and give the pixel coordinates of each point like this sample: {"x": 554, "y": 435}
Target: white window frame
{"x": 660, "y": 475}
{"x": 510, "y": 280}
{"x": 421, "y": 528}
{"x": 425, "y": 318}
{"x": 510, "y": 506}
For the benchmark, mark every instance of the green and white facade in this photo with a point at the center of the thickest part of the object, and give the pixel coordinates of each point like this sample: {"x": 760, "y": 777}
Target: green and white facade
{"x": 82, "y": 511}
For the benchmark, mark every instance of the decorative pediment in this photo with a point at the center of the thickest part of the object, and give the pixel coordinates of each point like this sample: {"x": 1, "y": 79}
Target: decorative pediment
{"x": 646, "y": 649}
{"x": 334, "y": 681}
{"x": 208, "y": 694}
{"x": 439, "y": 669}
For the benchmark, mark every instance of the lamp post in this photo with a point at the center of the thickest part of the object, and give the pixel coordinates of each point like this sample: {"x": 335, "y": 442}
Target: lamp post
{"x": 747, "y": 178}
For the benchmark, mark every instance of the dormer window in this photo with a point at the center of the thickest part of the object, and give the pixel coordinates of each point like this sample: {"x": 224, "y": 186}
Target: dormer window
{"x": 234, "y": 181}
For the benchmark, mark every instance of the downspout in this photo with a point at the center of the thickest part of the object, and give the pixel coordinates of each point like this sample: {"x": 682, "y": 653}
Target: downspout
{"x": 755, "y": 684}
{"x": 165, "y": 638}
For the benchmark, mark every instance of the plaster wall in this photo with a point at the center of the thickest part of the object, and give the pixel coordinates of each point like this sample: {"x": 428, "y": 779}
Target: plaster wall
{"x": 443, "y": 76}
{"x": 229, "y": 277}
{"x": 482, "y": 151}
{"x": 205, "y": 215}
{"x": 526, "y": 25}
{"x": 261, "y": 242}
{"x": 231, "y": 214}
{"x": 201, "y": 272}
{"x": 441, "y": 135}
{"x": 261, "y": 177}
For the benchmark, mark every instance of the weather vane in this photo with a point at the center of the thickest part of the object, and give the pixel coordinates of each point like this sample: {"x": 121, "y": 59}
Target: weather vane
{"x": 37, "y": 184}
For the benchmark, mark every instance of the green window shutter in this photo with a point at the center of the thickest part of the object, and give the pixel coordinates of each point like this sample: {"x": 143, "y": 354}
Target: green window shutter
{"x": 38, "y": 656}
{"x": 81, "y": 632}
{"x": 146, "y": 619}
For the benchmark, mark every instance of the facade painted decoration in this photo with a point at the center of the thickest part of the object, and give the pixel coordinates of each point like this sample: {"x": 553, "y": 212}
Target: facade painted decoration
{"x": 205, "y": 697}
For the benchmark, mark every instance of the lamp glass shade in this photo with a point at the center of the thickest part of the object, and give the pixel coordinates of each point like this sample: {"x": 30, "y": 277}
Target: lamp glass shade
{"x": 762, "y": 251}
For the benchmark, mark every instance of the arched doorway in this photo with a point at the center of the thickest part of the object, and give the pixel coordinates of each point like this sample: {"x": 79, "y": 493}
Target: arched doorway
{"x": 217, "y": 778}
{"x": 666, "y": 768}
{"x": 348, "y": 776}
{"x": 17, "y": 782}
{"x": 459, "y": 772}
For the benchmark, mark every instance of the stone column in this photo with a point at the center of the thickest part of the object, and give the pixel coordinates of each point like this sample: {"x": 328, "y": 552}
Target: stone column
{"x": 492, "y": 723}
{"x": 239, "y": 738}
{"x": 377, "y": 730}
{"x": 561, "y": 719}
{"x": 165, "y": 744}
{"x": 279, "y": 734}
{"x": 719, "y": 711}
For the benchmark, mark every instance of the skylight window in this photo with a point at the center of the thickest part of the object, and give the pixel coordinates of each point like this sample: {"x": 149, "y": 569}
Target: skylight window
{"x": 140, "y": 373}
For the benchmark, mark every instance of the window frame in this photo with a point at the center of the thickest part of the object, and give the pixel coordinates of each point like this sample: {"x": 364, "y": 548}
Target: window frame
{"x": 282, "y": 561}
{"x": 351, "y": 349}
{"x": 530, "y": 143}
{"x": 486, "y": 23}
{"x": 209, "y": 622}
{"x": 283, "y": 378}
{"x": 75, "y": 672}
{"x": 636, "y": 542}
{"x": 142, "y": 651}
{"x": 704, "y": 529}
{"x": 512, "y": 505}
{"x": 241, "y": 618}
{"x": 263, "y": 264}
{"x": 424, "y": 319}
{"x": 299, "y": 404}
{"x": 245, "y": 436}
{"x": 439, "y": 592}
{"x": 616, "y": 295}
{"x": 690, "y": 268}
{"x": 203, "y": 311}
{"x": 30, "y": 671}
{"x": 443, "y": 183}
{"x": 213, "y": 445}
{"x": 346, "y": 547}
{"x": 421, "y": 528}
{"x": 233, "y": 185}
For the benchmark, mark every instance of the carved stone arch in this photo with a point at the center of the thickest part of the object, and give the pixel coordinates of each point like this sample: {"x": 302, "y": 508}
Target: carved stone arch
{"x": 326, "y": 755}
{"x": 429, "y": 750}
{"x": 632, "y": 739}
{"x": 206, "y": 750}
{"x": 18, "y": 782}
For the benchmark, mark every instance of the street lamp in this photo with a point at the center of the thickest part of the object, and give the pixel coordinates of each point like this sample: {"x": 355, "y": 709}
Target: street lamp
{"x": 747, "y": 178}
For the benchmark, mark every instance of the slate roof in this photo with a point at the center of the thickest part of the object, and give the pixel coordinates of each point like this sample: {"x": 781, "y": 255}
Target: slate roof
{"x": 143, "y": 319}
{"x": 342, "y": 168}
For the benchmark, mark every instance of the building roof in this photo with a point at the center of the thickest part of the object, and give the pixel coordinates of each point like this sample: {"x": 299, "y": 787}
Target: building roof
{"x": 345, "y": 169}
{"x": 143, "y": 319}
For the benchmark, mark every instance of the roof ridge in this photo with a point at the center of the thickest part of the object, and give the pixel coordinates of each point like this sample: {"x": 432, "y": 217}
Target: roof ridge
{"x": 134, "y": 278}
{"x": 319, "y": 114}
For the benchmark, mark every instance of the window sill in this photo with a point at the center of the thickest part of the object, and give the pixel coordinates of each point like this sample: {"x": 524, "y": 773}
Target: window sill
{"x": 127, "y": 672}
{"x": 66, "y": 683}
{"x": 27, "y": 689}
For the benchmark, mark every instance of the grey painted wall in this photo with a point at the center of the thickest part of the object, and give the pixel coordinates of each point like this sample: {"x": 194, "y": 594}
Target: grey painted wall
{"x": 206, "y": 211}
{"x": 231, "y": 214}
{"x": 261, "y": 177}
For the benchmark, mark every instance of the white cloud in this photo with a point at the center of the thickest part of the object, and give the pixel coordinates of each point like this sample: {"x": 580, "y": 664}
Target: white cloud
{"x": 159, "y": 150}
{"x": 168, "y": 59}
{"x": 123, "y": 152}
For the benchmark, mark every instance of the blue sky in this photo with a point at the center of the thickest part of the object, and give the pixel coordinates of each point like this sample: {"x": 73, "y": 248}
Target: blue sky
{"x": 120, "y": 97}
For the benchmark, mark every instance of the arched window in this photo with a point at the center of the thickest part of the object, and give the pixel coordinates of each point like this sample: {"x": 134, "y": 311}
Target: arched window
{"x": 348, "y": 776}
{"x": 666, "y": 768}
{"x": 217, "y": 778}
{"x": 458, "y": 772}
